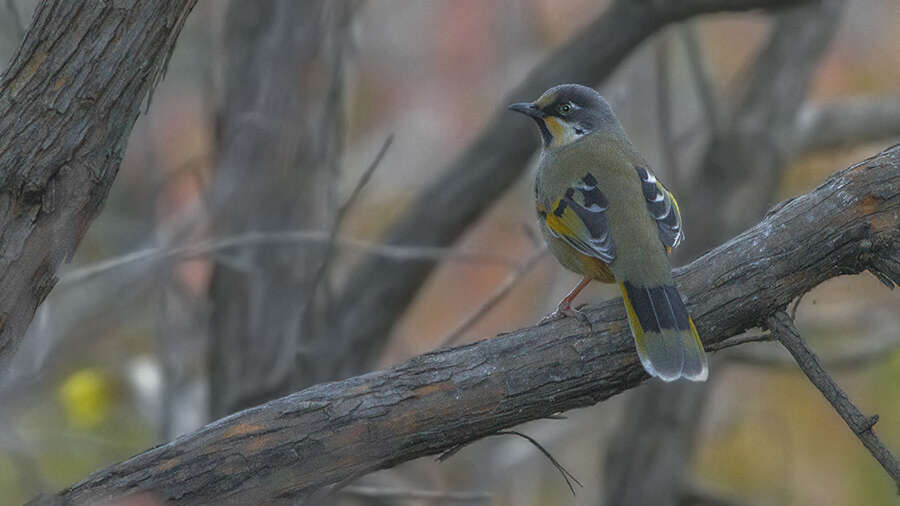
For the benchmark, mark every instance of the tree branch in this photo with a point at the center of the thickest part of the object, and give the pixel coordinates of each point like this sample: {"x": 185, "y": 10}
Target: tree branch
{"x": 68, "y": 102}
{"x": 845, "y": 122}
{"x": 290, "y": 448}
{"x": 469, "y": 185}
{"x": 783, "y": 327}
{"x": 299, "y": 238}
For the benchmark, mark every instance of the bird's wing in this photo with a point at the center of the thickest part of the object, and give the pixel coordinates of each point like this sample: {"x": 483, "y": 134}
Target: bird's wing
{"x": 579, "y": 218}
{"x": 663, "y": 208}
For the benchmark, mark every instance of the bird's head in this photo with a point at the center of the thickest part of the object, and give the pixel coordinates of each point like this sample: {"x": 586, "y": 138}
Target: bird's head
{"x": 568, "y": 112}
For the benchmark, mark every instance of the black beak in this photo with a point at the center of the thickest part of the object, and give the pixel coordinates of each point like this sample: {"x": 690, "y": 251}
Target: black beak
{"x": 528, "y": 109}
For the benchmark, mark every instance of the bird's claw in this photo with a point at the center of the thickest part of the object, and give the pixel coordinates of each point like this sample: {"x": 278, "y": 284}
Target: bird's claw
{"x": 568, "y": 311}
{"x": 552, "y": 317}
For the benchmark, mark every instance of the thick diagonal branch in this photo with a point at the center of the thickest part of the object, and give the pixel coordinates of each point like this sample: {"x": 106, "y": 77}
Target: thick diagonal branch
{"x": 290, "y": 448}
{"x": 782, "y": 326}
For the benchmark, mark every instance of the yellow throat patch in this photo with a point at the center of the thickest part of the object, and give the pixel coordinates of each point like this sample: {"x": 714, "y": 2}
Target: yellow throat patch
{"x": 562, "y": 132}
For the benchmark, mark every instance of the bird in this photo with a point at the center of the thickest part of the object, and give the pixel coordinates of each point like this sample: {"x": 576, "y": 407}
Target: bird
{"x": 606, "y": 216}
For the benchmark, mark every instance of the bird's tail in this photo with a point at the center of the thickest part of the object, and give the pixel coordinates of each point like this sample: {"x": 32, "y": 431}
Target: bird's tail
{"x": 666, "y": 340}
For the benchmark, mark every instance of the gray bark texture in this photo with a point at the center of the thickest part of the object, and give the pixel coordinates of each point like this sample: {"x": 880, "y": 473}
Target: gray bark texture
{"x": 490, "y": 165}
{"x": 295, "y": 447}
{"x": 68, "y": 102}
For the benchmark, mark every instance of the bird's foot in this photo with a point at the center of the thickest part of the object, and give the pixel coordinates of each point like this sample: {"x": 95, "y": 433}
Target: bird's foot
{"x": 552, "y": 317}
{"x": 567, "y": 311}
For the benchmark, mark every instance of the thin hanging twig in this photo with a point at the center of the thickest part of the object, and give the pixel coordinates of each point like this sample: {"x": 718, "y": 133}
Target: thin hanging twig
{"x": 569, "y": 477}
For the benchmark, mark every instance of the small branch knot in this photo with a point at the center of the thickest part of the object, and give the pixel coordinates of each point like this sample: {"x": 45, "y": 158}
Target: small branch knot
{"x": 868, "y": 424}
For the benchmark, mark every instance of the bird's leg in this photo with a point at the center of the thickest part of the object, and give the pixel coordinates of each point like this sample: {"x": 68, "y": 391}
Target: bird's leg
{"x": 564, "y": 308}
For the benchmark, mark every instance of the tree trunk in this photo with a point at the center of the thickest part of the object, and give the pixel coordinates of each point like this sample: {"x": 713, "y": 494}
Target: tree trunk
{"x": 68, "y": 102}
{"x": 281, "y": 132}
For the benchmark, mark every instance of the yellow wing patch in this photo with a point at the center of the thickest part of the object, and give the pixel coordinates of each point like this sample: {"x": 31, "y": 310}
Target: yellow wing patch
{"x": 579, "y": 218}
{"x": 562, "y": 225}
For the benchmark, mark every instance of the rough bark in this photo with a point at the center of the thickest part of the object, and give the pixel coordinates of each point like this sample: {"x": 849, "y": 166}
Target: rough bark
{"x": 68, "y": 102}
{"x": 469, "y": 185}
{"x": 290, "y": 448}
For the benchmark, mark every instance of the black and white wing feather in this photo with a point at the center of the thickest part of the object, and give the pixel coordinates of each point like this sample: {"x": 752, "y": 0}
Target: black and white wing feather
{"x": 580, "y": 219}
{"x": 662, "y": 207}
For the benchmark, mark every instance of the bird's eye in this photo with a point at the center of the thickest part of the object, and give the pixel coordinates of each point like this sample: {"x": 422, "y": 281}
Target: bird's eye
{"x": 565, "y": 109}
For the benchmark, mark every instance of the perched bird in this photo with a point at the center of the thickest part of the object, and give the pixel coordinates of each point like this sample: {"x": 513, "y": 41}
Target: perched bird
{"x": 605, "y": 216}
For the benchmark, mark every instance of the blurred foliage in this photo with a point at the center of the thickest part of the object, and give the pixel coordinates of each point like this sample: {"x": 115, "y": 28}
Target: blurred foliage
{"x": 86, "y": 396}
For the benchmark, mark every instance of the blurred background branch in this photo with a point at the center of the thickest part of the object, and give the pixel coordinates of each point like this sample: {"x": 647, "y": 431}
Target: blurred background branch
{"x": 284, "y": 128}
{"x": 843, "y": 123}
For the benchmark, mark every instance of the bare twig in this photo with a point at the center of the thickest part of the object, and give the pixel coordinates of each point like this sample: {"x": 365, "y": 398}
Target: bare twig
{"x": 300, "y": 237}
{"x": 737, "y": 340}
{"x": 397, "y": 494}
{"x": 569, "y": 477}
{"x": 851, "y": 360}
{"x": 499, "y": 293}
{"x": 363, "y": 180}
{"x": 783, "y": 328}
{"x": 327, "y": 256}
